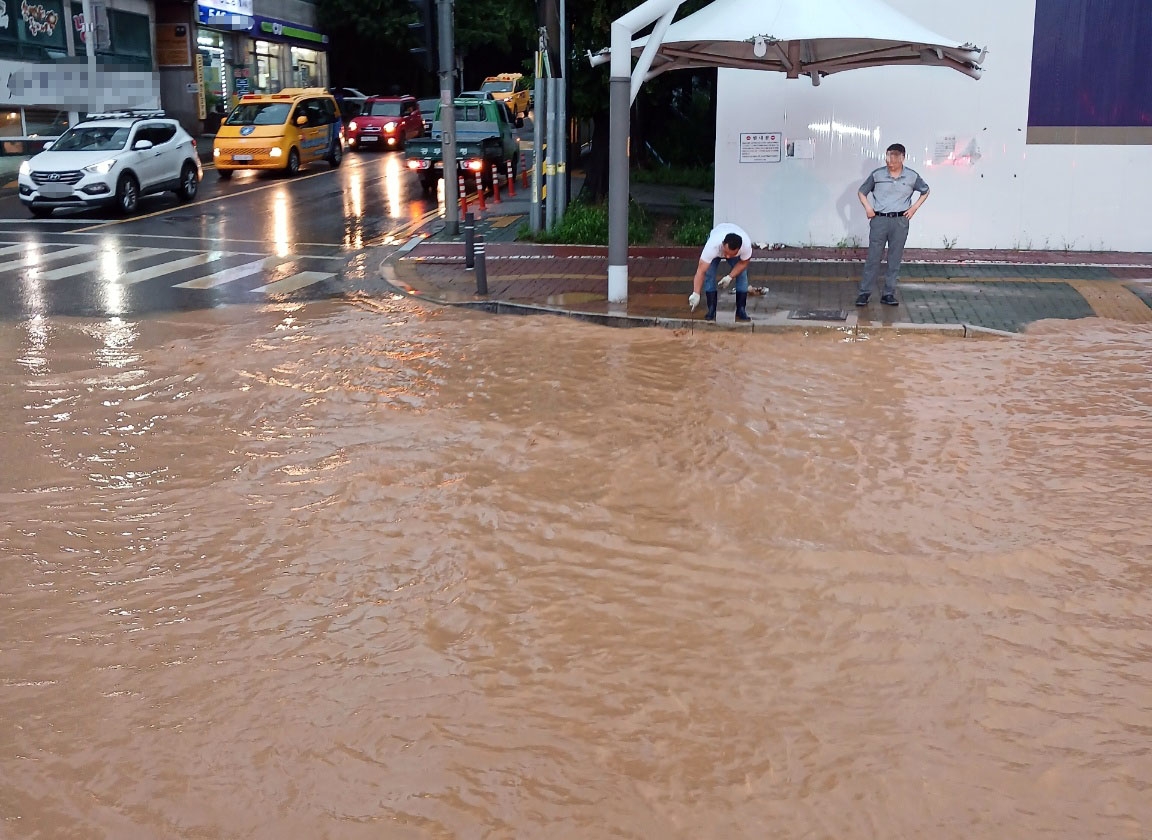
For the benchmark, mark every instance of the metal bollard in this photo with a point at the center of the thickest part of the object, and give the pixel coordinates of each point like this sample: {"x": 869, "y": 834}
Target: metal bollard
{"x": 481, "y": 267}
{"x": 511, "y": 180}
{"x": 469, "y": 240}
{"x": 523, "y": 171}
{"x": 463, "y": 196}
{"x": 495, "y": 185}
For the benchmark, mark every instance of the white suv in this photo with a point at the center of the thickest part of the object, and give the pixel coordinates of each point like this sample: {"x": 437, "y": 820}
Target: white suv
{"x": 112, "y": 159}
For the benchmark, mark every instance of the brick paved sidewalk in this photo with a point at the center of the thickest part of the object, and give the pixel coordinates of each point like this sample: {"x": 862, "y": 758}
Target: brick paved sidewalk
{"x": 967, "y": 291}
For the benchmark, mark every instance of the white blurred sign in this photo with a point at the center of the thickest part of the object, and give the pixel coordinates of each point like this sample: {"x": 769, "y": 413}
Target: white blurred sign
{"x": 760, "y": 147}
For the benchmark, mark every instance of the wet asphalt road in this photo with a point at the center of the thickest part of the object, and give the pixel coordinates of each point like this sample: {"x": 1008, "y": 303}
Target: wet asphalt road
{"x": 256, "y": 237}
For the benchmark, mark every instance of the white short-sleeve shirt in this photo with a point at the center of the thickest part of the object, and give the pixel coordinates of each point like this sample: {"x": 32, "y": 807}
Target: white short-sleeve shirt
{"x": 716, "y": 239}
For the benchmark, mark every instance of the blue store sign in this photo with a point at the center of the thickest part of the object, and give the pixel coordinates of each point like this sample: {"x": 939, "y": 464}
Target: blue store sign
{"x": 257, "y": 26}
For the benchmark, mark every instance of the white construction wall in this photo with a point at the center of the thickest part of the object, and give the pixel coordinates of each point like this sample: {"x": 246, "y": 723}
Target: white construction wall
{"x": 995, "y": 191}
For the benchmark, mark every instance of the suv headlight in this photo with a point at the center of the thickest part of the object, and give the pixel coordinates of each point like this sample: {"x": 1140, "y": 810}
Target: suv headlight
{"x": 25, "y": 168}
{"x": 101, "y": 168}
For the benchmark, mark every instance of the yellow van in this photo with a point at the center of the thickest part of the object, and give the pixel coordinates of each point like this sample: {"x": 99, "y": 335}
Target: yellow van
{"x": 284, "y": 130}
{"x": 511, "y": 89}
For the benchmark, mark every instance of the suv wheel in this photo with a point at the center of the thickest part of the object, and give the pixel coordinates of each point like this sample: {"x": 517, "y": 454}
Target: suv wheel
{"x": 189, "y": 183}
{"x": 293, "y": 165}
{"x": 127, "y": 194}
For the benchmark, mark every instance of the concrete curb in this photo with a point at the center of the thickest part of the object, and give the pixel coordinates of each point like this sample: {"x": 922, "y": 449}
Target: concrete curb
{"x": 388, "y": 274}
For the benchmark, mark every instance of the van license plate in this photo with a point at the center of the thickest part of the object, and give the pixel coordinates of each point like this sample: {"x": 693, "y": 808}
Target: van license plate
{"x": 241, "y": 158}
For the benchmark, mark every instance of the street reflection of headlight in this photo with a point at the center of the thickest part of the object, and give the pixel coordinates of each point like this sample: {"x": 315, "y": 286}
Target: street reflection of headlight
{"x": 390, "y": 127}
{"x": 276, "y": 152}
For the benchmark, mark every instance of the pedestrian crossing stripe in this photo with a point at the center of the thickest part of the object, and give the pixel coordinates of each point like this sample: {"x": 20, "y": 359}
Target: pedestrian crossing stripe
{"x": 114, "y": 266}
{"x": 227, "y": 275}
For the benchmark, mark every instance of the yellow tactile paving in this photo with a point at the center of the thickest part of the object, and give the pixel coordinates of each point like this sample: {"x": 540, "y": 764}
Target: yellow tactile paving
{"x": 1110, "y": 299}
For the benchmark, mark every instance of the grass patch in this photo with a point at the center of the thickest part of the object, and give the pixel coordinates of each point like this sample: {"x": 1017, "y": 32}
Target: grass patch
{"x": 587, "y": 224}
{"x": 676, "y": 176}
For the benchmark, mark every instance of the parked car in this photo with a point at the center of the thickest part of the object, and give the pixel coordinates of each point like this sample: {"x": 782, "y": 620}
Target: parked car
{"x": 284, "y": 130}
{"x": 387, "y": 122}
{"x": 511, "y": 89}
{"x": 427, "y": 112}
{"x": 112, "y": 159}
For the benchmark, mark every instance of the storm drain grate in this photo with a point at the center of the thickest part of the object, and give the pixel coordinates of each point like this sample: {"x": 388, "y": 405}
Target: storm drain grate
{"x": 818, "y": 315}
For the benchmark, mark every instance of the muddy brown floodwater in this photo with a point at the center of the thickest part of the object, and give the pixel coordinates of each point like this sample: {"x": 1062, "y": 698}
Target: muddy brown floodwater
{"x": 342, "y": 572}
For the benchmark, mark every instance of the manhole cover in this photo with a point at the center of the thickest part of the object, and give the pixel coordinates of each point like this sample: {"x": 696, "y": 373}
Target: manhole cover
{"x": 818, "y": 315}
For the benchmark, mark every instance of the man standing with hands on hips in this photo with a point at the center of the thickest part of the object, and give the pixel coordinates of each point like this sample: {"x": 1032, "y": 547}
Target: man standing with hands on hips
{"x": 729, "y": 244}
{"x": 889, "y": 212}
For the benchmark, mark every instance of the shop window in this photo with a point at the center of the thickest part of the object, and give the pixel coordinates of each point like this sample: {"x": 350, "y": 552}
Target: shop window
{"x": 130, "y": 33}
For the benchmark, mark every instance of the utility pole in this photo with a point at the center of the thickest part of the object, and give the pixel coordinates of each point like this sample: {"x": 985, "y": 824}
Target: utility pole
{"x": 438, "y": 52}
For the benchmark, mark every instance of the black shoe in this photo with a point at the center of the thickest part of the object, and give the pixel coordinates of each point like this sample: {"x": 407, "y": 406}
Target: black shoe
{"x": 862, "y": 299}
{"x": 741, "y": 303}
{"x": 889, "y": 300}
{"x": 713, "y": 298}
{"x": 710, "y": 316}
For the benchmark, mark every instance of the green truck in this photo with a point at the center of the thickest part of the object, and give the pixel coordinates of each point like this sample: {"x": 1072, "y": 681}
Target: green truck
{"x": 485, "y": 135}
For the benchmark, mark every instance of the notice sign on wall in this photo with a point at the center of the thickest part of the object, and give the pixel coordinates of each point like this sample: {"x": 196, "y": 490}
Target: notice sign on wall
{"x": 760, "y": 147}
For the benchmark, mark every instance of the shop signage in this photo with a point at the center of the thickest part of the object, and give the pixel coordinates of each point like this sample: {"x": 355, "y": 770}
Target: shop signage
{"x": 173, "y": 46}
{"x": 221, "y": 19}
{"x": 232, "y": 7}
{"x": 287, "y": 31}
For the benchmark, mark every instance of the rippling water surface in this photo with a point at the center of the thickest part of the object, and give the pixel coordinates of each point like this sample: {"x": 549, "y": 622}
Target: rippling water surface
{"x": 341, "y": 572}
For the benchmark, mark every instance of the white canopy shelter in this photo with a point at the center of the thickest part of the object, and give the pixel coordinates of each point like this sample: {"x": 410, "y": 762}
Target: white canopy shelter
{"x": 810, "y": 38}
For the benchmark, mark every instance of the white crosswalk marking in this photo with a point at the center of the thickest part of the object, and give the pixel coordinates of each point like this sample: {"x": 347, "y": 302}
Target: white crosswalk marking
{"x": 96, "y": 265}
{"x": 296, "y": 281}
{"x": 228, "y": 275}
{"x": 41, "y": 257}
{"x": 152, "y": 272}
{"x": 12, "y": 249}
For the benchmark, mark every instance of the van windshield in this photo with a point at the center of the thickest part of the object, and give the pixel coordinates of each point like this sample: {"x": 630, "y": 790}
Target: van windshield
{"x": 260, "y": 113}
{"x": 496, "y": 87}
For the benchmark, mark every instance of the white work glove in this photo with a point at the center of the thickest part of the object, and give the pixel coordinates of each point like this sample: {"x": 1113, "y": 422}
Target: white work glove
{"x": 693, "y": 301}
{"x": 725, "y": 281}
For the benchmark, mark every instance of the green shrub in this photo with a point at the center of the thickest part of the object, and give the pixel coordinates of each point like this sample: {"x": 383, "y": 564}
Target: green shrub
{"x": 587, "y": 224}
{"x": 692, "y": 225}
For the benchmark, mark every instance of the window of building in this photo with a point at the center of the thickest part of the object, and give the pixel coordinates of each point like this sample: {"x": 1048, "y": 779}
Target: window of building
{"x": 268, "y": 79}
{"x": 305, "y": 67}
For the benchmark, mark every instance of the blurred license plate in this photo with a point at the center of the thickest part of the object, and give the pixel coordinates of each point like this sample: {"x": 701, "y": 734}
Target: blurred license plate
{"x": 241, "y": 158}
{"x": 55, "y": 190}
{"x": 370, "y": 138}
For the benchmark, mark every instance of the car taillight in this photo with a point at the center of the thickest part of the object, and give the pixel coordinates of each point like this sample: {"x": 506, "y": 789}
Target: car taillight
{"x": 193, "y": 142}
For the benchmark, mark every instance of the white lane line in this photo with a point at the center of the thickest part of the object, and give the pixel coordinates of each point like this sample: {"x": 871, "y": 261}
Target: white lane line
{"x": 228, "y": 275}
{"x": 296, "y": 281}
{"x": 96, "y": 265}
{"x": 26, "y": 262}
{"x": 154, "y": 271}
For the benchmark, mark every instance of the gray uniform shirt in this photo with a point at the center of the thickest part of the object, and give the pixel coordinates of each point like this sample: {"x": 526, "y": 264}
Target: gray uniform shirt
{"x": 893, "y": 195}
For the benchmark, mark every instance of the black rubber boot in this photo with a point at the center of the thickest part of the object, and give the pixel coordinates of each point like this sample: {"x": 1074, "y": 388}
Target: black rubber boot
{"x": 712, "y": 298}
{"x": 741, "y": 303}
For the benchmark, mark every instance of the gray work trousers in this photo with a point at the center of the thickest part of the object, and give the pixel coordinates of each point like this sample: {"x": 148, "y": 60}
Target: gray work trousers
{"x": 890, "y": 230}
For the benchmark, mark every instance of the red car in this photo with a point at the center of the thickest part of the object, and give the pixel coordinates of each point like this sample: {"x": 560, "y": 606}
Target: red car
{"x": 387, "y": 122}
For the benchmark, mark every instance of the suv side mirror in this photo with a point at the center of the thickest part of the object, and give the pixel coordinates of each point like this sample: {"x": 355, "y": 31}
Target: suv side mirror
{"x": 141, "y": 145}
{"x": 301, "y": 120}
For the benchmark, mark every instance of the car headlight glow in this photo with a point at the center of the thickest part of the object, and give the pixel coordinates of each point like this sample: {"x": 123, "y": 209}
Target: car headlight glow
{"x": 101, "y": 168}
{"x": 25, "y": 168}
{"x": 390, "y": 127}
{"x": 215, "y": 152}
{"x": 352, "y": 125}
{"x": 276, "y": 152}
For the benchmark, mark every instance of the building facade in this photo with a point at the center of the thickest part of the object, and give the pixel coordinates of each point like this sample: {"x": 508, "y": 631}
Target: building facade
{"x": 45, "y": 70}
{"x": 211, "y": 53}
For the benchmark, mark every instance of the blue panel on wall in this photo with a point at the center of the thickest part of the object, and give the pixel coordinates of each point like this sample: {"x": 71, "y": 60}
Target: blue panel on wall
{"x": 1092, "y": 64}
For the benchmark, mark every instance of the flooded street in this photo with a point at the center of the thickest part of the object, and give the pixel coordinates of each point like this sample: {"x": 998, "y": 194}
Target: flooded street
{"x": 333, "y": 571}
